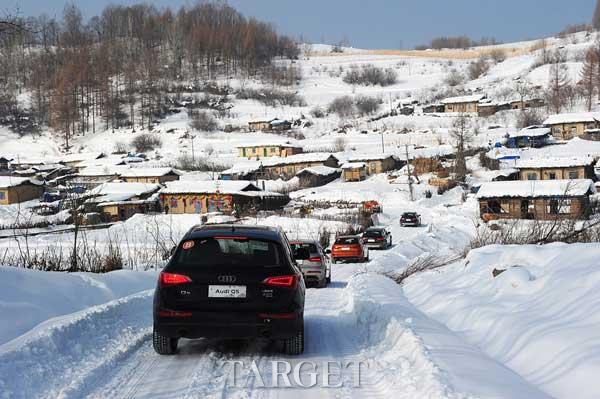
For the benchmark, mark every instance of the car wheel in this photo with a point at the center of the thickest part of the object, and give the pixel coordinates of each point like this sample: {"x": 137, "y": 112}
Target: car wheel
{"x": 164, "y": 345}
{"x": 295, "y": 345}
{"x": 322, "y": 283}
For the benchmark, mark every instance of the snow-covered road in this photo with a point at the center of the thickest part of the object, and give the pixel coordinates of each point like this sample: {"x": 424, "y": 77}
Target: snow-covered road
{"x": 106, "y": 352}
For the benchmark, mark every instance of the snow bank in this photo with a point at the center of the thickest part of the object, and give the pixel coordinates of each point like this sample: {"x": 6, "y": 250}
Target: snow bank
{"x": 64, "y": 357}
{"x": 30, "y": 297}
{"x": 413, "y": 356}
{"x": 541, "y": 319}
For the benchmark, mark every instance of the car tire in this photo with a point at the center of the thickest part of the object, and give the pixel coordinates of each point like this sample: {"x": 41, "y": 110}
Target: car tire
{"x": 164, "y": 345}
{"x": 322, "y": 283}
{"x": 295, "y": 345}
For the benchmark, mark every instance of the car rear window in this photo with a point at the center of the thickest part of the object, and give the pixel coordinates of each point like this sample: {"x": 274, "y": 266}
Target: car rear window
{"x": 228, "y": 251}
{"x": 373, "y": 233}
{"x": 312, "y": 248}
{"x": 410, "y": 215}
{"x": 347, "y": 240}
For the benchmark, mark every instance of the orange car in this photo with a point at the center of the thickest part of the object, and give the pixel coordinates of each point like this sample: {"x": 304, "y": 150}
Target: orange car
{"x": 349, "y": 248}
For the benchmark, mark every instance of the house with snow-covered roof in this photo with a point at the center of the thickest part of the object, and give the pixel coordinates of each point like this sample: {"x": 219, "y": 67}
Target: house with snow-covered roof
{"x": 149, "y": 175}
{"x": 568, "y": 126}
{"x": 531, "y": 136}
{"x": 536, "y": 199}
{"x": 556, "y": 168}
{"x": 354, "y": 171}
{"x": 279, "y": 167}
{"x": 376, "y": 163}
{"x": 200, "y": 197}
{"x": 466, "y": 104}
{"x": 317, "y": 176}
{"x": 118, "y": 201}
{"x": 14, "y": 190}
{"x": 268, "y": 150}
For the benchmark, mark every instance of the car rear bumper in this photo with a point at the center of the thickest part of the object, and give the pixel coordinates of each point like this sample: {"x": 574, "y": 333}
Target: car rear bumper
{"x": 413, "y": 224}
{"x": 313, "y": 275}
{"x": 350, "y": 259}
{"x": 376, "y": 245}
{"x": 230, "y": 325}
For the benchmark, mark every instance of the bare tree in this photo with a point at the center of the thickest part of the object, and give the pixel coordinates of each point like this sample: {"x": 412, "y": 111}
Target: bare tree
{"x": 589, "y": 76}
{"x": 596, "y": 17}
{"x": 462, "y": 136}
{"x": 559, "y": 83}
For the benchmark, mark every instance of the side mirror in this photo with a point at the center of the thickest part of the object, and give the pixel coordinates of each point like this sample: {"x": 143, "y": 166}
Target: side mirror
{"x": 173, "y": 249}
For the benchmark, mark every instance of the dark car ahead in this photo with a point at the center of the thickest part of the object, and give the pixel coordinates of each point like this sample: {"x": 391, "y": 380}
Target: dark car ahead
{"x": 410, "y": 219}
{"x": 313, "y": 262}
{"x": 230, "y": 281}
{"x": 377, "y": 237}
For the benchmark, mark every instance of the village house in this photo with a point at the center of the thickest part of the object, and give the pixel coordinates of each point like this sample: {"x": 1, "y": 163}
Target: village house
{"x": 93, "y": 176}
{"x": 149, "y": 175}
{"x": 271, "y": 125}
{"x": 463, "y": 104}
{"x": 268, "y": 150}
{"x": 526, "y": 103}
{"x": 538, "y": 200}
{"x": 354, "y": 171}
{"x": 14, "y": 190}
{"x": 433, "y": 108}
{"x": 376, "y": 163}
{"x": 198, "y": 197}
{"x": 278, "y": 168}
{"x": 317, "y": 176}
{"x": 568, "y": 126}
{"x": 556, "y": 168}
{"x": 119, "y": 201}
{"x": 532, "y": 136}
{"x": 4, "y": 164}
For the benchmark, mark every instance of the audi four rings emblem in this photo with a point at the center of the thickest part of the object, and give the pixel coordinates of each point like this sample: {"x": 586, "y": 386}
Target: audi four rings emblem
{"x": 226, "y": 279}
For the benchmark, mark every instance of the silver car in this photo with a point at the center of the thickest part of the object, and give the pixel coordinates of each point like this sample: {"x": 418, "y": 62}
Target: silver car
{"x": 314, "y": 263}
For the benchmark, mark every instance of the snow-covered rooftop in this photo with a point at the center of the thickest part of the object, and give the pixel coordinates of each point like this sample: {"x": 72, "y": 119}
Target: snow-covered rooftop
{"x": 354, "y": 165}
{"x": 532, "y": 131}
{"x": 320, "y": 170}
{"x": 553, "y": 162}
{"x": 148, "y": 172}
{"x": 353, "y": 157}
{"x": 572, "y": 118}
{"x": 10, "y": 181}
{"x": 536, "y": 188}
{"x": 207, "y": 186}
{"x": 464, "y": 99}
{"x": 134, "y": 189}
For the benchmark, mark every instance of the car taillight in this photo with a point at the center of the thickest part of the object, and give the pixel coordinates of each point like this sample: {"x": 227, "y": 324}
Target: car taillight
{"x": 380, "y": 239}
{"x": 282, "y": 281}
{"x": 314, "y": 259}
{"x": 169, "y": 279}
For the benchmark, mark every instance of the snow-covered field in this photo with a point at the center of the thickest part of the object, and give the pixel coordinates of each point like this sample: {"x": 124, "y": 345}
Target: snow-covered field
{"x": 456, "y": 332}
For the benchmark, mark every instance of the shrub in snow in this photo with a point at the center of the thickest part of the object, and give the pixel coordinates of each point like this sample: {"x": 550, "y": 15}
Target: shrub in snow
{"x": 342, "y": 106}
{"x": 145, "y": 142}
{"x": 454, "y": 78}
{"x": 367, "y": 105}
{"x": 370, "y": 75}
{"x": 203, "y": 121}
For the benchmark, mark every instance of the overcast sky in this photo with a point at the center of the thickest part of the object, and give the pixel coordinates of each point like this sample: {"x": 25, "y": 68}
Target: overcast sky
{"x": 380, "y": 23}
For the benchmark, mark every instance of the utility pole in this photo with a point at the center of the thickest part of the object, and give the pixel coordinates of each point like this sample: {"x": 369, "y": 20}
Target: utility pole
{"x": 382, "y": 143}
{"x": 192, "y": 137}
{"x": 410, "y": 187}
